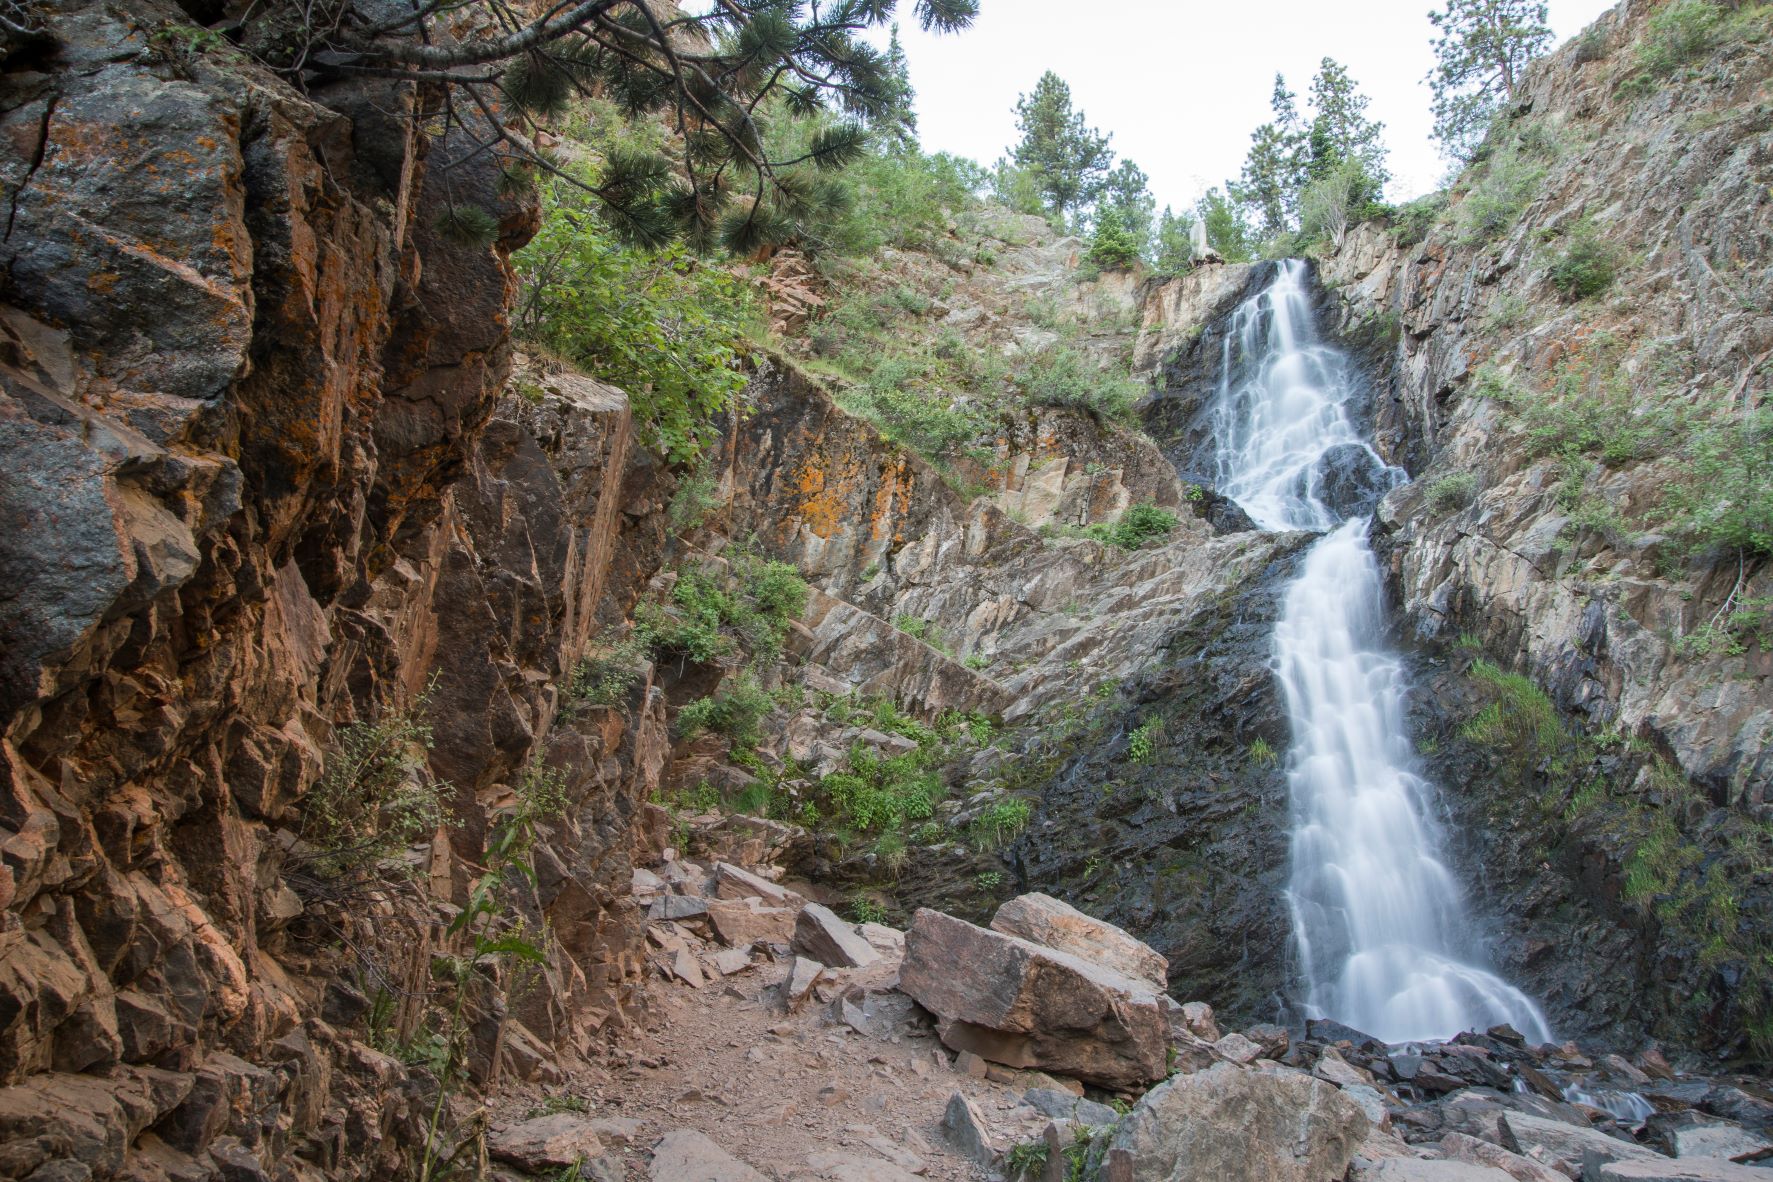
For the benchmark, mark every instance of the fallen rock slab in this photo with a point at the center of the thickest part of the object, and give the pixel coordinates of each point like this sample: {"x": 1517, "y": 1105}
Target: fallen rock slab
{"x": 1064, "y": 1106}
{"x": 1235, "y": 1124}
{"x": 801, "y": 978}
{"x": 1333, "y": 1067}
{"x": 1690, "y": 1134}
{"x": 1058, "y": 925}
{"x": 1371, "y": 1104}
{"x": 688, "y": 1156}
{"x": 820, "y": 934}
{"x": 848, "y": 1167}
{"x": 1236, "y": 1048}
{"x": 735, "y": 882}
{"x": 1025, "y": 1005}
{"x": 963, "y": 1127}
{"x": 1411, "y": 1169}
{"x": 744, "y": 923}
{"x": 1570, "y": 1145}
{"x": 1197, "y": 1017}
{"x": 1460, "y": 1147}
{"x": 545, "y": 1143}
{"x": 1680, "y": 1169}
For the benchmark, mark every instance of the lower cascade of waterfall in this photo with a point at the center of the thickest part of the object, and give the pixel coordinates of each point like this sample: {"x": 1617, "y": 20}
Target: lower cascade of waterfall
{"x": 1384, "y": 940}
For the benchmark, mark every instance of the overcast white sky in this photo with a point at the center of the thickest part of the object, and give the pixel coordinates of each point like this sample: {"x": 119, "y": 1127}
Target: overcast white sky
{"x": 1181, "y": 83}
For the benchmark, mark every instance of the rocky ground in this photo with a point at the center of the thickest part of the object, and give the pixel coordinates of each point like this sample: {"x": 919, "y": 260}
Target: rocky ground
{"x": 786, "y": 1044}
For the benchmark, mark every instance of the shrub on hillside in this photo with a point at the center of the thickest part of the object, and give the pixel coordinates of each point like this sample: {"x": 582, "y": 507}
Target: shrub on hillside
{"x": 1451, "y": 492}
{"x": 662, "y": 325}
{"x": 1060, "y": 375}
{"x": 375, "y": 797}
{"x": 1141, "y": 524}
{"x": 1586, "y": 267}
{"x": 1413, "y": 221}
{"x": 736, "y": 710}
{"x": 1725, "y": 496}
{"x": 605, "y": 678}
{"x": 1677, "y": 35}
{"x": 1495, "y": 203}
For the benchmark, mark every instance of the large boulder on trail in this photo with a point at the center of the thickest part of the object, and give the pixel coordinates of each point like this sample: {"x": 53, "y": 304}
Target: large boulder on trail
{"x": 1237, "y": 1124}
{"x": 1055, "y": 924}
{"x": 1022, "y": 1004}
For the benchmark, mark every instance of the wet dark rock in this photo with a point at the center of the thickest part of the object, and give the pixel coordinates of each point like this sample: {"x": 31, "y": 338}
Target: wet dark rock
{"x": 1350, "y": 479}
{"x": 1326, "y": 1031}
{"x": 1186, "y": 850}
{"x": 1219, "y": 511}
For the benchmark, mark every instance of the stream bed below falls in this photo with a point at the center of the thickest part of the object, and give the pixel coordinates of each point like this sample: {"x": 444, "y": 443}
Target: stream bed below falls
{"x": 1384, "y": 941}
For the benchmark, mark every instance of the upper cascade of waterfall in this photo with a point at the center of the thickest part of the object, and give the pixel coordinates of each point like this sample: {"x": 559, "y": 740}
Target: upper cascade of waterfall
{"x": 1384, "y": 940}
{"x": 1287, "y": 449}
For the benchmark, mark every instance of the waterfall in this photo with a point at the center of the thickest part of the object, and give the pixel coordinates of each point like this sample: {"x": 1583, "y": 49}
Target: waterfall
{"x": 1384, "y": 941}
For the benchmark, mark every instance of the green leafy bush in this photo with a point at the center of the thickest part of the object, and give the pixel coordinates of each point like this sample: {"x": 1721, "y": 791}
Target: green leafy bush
{"x": 605, "y": 678}
{"x": 375, "y": 797}
{"x": 1724, "y": 497}
{"x": 1141, "y": 524}
{"x": 1060, "y": 375}
{"x": 1452, "y": 492}
{"x": 911, "y": 400}
{"x": 1678, "y": 34}
{"x": 915, "y": 626}
{"x": 735, "y": 710}
{"x": 1508, "y": 184}
{"x": 906, "y": 199}
{"x": 1142, "y": 743}
{"x": 878, "y": 793}
{"x": 1587, "y": 265}
{"x": 1001, "y": 822}
{"x": 696, "y": 495}
{"x": 713, "y": 611}
{"x": 1413, "y": 221}
{"x": 662, "y": 325}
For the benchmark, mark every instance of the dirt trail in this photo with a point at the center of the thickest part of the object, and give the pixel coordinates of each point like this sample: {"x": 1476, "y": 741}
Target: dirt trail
{"x": 797, "y": 1095}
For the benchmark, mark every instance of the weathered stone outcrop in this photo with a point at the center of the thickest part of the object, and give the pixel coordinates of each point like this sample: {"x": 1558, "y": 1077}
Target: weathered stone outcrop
{"x": 260, "y": 483}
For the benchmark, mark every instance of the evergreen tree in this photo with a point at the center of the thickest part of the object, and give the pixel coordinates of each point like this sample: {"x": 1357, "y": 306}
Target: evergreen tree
{"x": 1340, "y": 129}
{"x": 1274, "y": 171}
{"x": 1173, "y": 253}
{"x": 1227, "y": 231}
{"x": 1016, "y": 188}
{"x": 1480, "y": 57}
{"x": 710, "y": 74}
{"x": 1114, "y": 245}
{"x": 898, "y": 126}
{"x": 1270, "y": 183}
{"x": 1126, "y": 195}
{"x": 1066, "y": 158}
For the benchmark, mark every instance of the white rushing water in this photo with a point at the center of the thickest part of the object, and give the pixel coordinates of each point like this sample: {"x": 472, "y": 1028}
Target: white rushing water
{"x": 1384, "y": 939}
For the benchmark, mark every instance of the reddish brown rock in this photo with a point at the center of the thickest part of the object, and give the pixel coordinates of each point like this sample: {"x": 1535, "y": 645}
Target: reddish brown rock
{"x": 1058, "y": 925}
{"x": 1024, "y": 1005}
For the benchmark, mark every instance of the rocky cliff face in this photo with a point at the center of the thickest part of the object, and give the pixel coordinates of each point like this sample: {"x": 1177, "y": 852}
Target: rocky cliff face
{"x": 261, "y": 483}
{"x": 1675, "y": 180}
